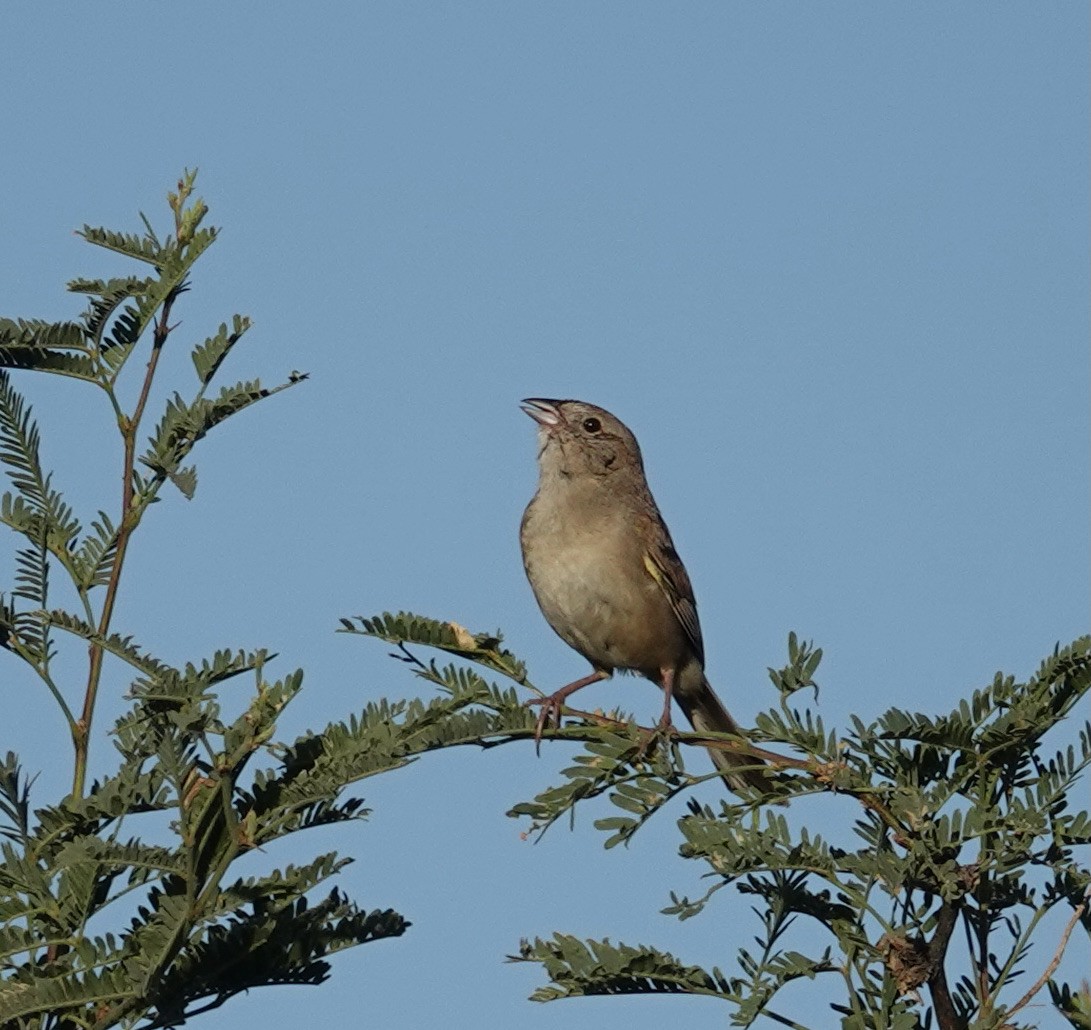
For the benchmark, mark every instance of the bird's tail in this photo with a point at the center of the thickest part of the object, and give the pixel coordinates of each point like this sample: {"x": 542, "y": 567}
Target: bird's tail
{"x": 706, "y": 714}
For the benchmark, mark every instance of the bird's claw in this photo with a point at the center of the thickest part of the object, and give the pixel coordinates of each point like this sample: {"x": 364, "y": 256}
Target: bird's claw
{"x": 663, "y": 730}
{"x": 550, "y": 713}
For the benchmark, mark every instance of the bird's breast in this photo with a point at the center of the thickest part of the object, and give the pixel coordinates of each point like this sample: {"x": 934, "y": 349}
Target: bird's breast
{"x": 585, "y": 566}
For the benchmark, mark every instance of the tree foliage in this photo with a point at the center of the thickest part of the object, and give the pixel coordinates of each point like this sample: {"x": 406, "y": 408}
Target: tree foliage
{"x": 119, "y": 903}
{"x": 966, "y": 839}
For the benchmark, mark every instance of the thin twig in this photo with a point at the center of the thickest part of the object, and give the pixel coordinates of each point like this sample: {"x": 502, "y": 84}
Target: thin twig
{"x": 124, "y": 531}
{"x": 1054, "y": 962}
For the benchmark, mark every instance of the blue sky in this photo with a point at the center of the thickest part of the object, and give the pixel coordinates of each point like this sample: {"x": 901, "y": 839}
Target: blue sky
{"x": 830, "y": 263}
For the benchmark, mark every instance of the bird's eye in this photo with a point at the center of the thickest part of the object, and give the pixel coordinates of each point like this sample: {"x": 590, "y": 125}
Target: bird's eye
{"x": 592, "y": 425}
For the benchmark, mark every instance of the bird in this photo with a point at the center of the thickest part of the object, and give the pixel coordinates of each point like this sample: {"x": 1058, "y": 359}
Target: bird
{"x": 606, "y": 575}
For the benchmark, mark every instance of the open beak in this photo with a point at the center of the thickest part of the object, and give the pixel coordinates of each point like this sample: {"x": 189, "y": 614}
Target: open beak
{"x": 544, "y": 412}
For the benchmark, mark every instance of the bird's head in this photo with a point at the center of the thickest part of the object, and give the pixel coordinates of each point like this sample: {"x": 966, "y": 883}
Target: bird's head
{"x": 576, "y": 438}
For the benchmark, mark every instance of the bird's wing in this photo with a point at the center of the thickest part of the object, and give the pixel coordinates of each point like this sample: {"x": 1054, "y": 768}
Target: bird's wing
{"x": 666, "y": 568}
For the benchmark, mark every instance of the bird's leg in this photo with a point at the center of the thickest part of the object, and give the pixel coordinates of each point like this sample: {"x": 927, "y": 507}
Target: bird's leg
{"x": 668, "y": 695}
{"x": 665, "y": 724}
{"x": 552, "y": 705}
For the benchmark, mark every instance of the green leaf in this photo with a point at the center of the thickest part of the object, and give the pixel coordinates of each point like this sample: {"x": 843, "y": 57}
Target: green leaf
{"x": 140, "y": 248}
{"x": 208, "y": 356}
{"x": 115, "y": 644}
{"x": 186, "y": 481}
{"x": 94, "y": 556}
{"x": 19, "y": 444}
{"x": 46, "y": 347}
{"x": 107, "y": 296}
{"x": 183, "y": 425}
{"x": 407, "y": 628}
{"x": 579, "y": 968}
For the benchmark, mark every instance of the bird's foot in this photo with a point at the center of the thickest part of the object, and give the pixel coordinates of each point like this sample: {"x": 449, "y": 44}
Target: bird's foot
{"x": 552, "y": 705}
{"x": 663, "y": 732}
{"x": 549, "y": 715}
